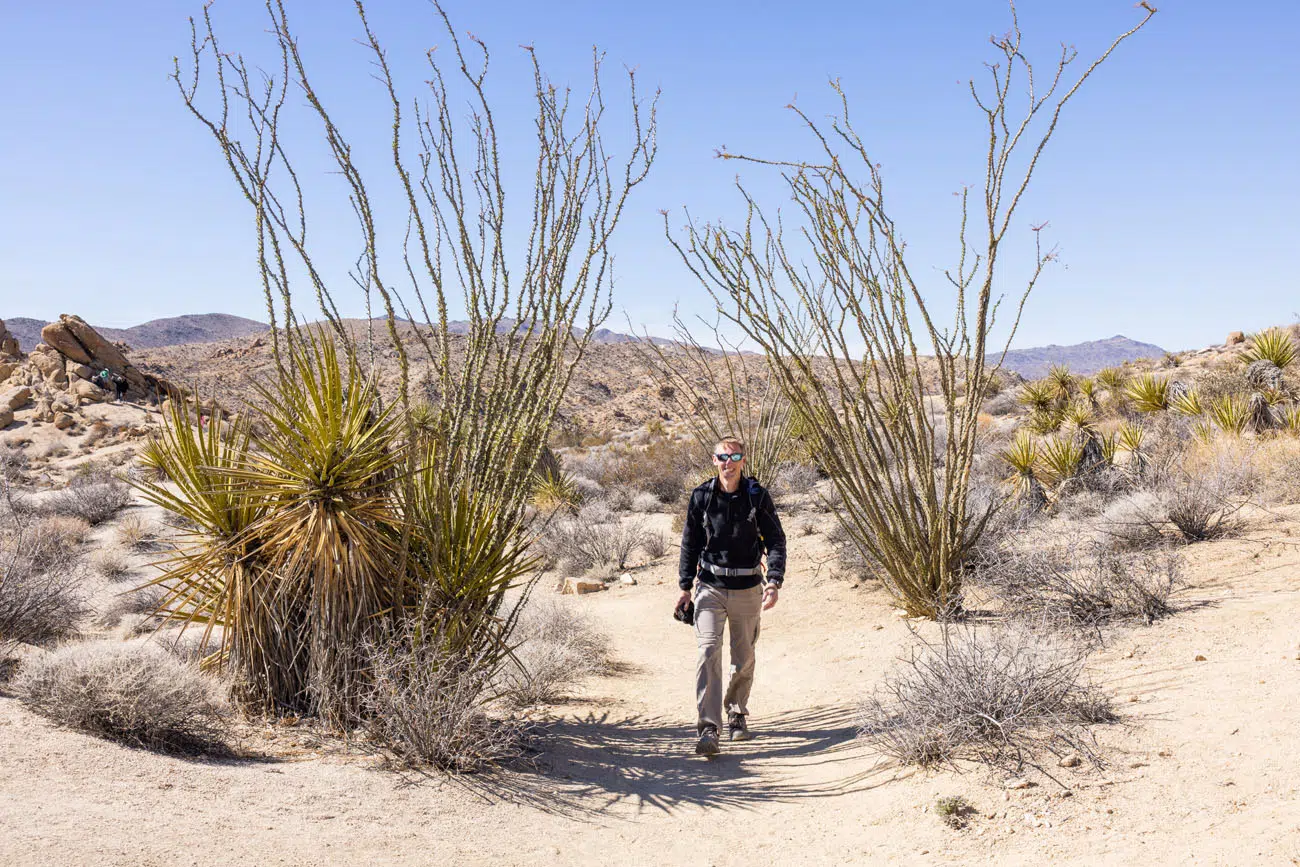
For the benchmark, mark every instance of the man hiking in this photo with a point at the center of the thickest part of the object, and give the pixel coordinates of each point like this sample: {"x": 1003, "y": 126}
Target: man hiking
{"x": 730, "y": 523}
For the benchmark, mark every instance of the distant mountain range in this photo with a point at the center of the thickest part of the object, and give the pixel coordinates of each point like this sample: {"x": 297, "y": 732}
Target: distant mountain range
{"x": 210, "y": 327}
{"x": 1082, "y": 358}
{"x": 191, "y": 328}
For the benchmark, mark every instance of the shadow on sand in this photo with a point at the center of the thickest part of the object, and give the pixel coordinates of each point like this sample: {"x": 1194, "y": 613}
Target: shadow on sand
{"x": 597, "y": 762}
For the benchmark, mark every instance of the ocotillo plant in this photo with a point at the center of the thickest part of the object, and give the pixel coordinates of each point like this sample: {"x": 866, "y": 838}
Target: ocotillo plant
{"x": 856, "y": 304}
{"x": 447, "y": 515}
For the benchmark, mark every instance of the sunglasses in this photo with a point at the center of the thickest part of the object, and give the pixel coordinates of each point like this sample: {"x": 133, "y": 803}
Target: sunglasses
{"x": 734, "y": 457}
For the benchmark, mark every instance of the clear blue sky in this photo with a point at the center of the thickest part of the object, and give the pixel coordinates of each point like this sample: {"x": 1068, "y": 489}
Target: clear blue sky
{"x": 1171, "y": 188}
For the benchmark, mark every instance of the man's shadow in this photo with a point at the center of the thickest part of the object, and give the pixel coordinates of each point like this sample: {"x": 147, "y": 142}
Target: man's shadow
{"x": 592, "y": 763}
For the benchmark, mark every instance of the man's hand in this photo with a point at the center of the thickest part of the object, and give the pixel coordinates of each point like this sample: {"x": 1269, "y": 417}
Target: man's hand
{"x": 770, "y": 593}
{"x": 683, "y": 599}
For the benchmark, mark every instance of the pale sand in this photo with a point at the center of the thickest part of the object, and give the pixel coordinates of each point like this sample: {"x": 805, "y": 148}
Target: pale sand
{"x": 1203, "y": 771}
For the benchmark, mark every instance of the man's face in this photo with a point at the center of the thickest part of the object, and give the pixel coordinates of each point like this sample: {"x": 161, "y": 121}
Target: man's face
{"x": 728, "y": 470}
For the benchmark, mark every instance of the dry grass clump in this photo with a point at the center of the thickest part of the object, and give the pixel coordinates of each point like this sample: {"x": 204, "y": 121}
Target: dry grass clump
{"x": 1085, "y": 586}
{"x": 111, "y": 563}
{"x": 51, "y": 540}
{"x": 429, "y": 706}
{"x": 667, "y": 468}
{"x": 1000, "y": 696}
{"x": 558, "y": 646}
{"x": 133, "y": 693}
{"x": 145, "y": 601}
{"x": 655, "y": 545}
{"x": 94, "y": 496}
{"x": 137, "y": 532}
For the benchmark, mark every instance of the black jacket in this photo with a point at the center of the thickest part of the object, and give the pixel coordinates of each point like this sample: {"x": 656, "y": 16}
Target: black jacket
{"x": 734, "y": 531}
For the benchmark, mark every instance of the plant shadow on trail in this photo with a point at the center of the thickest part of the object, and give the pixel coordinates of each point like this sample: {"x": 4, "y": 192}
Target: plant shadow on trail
{"x": 596, "y": 762}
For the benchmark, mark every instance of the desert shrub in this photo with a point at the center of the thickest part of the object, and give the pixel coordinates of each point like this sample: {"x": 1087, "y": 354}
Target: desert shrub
{"x": 52, "y": 540}
{"x": 111, "y": 563}
{"x": 849, "y": 558}
{"x": 1002, "y": 403}
{"x": 593, "y": 538}
{"x": 953, "y": 810}
{"x": 667, "y": 468}
{"x": 655, "y": 545}
{"x": 137, "y": 532}
{"x": 1000, "y": 696}
{"x": 94, "y": 496}
{"x": 645, "y": 503}
{"x": 1134, "y": 520}
{"x": 794, "y": 479}
{"x": 429, "y": 706}
{"x": 95, "y": 433}
{"x": 557, "y": 646}
{"x": 1204, "y": 495}
{"x": 588, "y": 489}
{"x": 133, "y": 693}
{"x": 1222, "y": 381}
{"x": 1085, "y": 585}
{"x": 41, "y": 600}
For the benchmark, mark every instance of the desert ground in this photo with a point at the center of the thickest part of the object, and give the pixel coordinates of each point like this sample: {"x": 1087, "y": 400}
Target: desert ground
{"x": 1198, "y": 769}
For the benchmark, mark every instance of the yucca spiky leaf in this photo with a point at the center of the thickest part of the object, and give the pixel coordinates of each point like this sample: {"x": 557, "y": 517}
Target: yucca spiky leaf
{"x": 1187, "y": 403}
{"x": 1036, "y": 394}
{"x": 1058, "y": 459}
{"x": 1229, "y": 412}
{"x": 1273, "y": 345}
{"x": 553, "y": 491}
{"x": 1113, "y": 379}
{"x": 1290, "y": 419}
{"x": 1044, "y": 421}
{"x": 1061, "y": 381}
{"x": 1109, "y": 446}
{"x": 1203, "y": 431}
{"x": 1131, "y": 436}
{"x": 1148, "y": 393}
{"x": 1079, "y": 418}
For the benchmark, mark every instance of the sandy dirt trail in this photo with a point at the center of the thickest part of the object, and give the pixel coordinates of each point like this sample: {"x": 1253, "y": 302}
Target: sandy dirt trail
{"x": 1203, "y": 771}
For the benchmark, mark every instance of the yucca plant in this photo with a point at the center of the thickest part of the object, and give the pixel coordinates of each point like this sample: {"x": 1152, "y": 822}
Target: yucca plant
{"x": 1203, "y": 432}
{"x": 1113, "y": 379}
{"x": 1187, "y": 402}
{"x": 1044, "y": 421}
{"x": 217, "y": 579}
{"x": 1109, "y": 443}
{"x": 1289, "y": 419}
{"x": 1058, "y": 459}
{"x": 1061, "y": 382}
{"x": 1274, "y": 345}
{"x": 553, "y": 491}
{"x": 325, "y": 471}
{"x": 1229, "y": 413}
{"x": 1022, "y": 457}
{"x": 1038, "y": 395}
{"x": 1089, "y": 392}
{"x": 1080, "y": 419}
{"x": 1131, "y": 439}
{"x": 1148, "y": 393}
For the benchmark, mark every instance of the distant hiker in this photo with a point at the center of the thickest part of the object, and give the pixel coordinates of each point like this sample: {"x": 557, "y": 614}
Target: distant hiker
{"x": 730, "y": 523}
{"x": 119, "y": 385}
{"x": 111, "y": 381}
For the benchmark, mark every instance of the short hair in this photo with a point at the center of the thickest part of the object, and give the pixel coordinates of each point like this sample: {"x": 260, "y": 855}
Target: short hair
{"x": 732, "y": 441}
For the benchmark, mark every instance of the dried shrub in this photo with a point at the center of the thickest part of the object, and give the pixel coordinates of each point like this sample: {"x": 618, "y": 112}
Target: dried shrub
{"x": 1222, "y": 381}
{"x": 645, "y": 503}
{"x": 794, "y": 480}
{"x": 144, "y": 601}
{"x": 655, "y": 545}
{"x": 429, "y": 707}
{"x": 1203, "y": 497}
{"x": 137, "y": 532}
{"x": 41, "y": 600}
{"x": 1133, "y": 521}
{"x": 667, "y": 468}
{"x": 1085, "y": 586}
{"x": 1001, "y": 404}
{"x": 593, "y": 538}
{"x": 133, "y": 693}
{"x": 1000, "y": 696}
{"x": 52, "y": 540}
{"x": 558, "y": 646}
{"x": 94, "y": 496}
{"x": 111, "y": 563}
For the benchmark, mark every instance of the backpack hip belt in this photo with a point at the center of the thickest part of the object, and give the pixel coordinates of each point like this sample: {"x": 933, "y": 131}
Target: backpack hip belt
{"x": 725, "y": 572}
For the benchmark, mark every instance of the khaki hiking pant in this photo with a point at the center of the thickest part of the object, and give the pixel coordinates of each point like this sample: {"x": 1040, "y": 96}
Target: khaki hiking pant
{"x": 713, "y": 608}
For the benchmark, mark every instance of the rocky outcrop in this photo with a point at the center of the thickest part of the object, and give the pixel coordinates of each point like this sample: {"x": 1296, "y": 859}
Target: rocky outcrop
{"x": 9, "y": 351}
{"x": 73, "y": 354}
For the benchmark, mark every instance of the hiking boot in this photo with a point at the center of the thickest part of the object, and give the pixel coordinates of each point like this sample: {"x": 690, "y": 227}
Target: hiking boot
{"x": 707, "y": 745}
{"x": 736, "y": 728}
